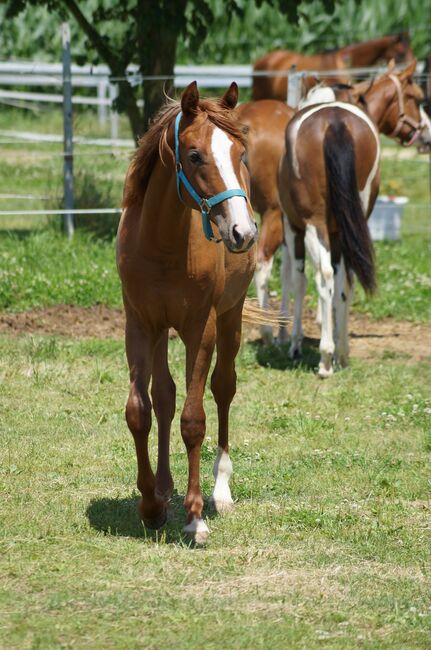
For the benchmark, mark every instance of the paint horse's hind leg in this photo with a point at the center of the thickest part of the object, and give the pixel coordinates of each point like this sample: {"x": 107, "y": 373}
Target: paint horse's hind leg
{"x": 223, "y": 386}
{"x": 271, "y": 236}
{"x": 343, "y": 294}
{"x": 295, "y": 246}
{"x": 321, "y": 256}
{"x": 163, "y": 394}
{"x": 140, "y": 349}
{"x": 199, "y": 349}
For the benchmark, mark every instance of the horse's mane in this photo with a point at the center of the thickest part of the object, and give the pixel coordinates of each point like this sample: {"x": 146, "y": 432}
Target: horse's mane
{"x": 151, "y": 144}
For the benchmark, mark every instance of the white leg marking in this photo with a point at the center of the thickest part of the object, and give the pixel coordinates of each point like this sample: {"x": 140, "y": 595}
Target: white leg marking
{"x": 261, "y": 277}
{"x": 198, "y": 530}
{"x": 299, "y": 286}
{"x": 286, "y": 284}
{"x": 222, "y": 471}
{"x": 343, "y": 294}
{"x": 237, "y": 206}
{"x": 321, "y": 257}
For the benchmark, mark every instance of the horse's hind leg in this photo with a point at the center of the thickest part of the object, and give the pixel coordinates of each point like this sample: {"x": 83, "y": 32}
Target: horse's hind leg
{"x": 139, "y": 349}
{"x": 163, "y": 393}
{"x": 295, "y": 245}
{"x": 223, "y": 386}
{"x": 200, "y": 341}
{"x": 271, "y": 237}
{"x": 321, "y": 255}
{"x": 343, "y": 294}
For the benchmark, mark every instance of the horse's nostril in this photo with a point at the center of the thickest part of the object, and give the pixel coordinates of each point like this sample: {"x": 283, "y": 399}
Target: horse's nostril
{"x": 239, "y": 239}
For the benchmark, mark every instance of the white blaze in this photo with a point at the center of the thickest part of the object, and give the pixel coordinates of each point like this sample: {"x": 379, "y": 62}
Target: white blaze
{"x": 237, "y": 206}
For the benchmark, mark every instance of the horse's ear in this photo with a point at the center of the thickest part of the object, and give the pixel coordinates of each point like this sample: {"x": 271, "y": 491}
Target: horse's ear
{"x": 408, "y": 71}
{"x": 190, "y": 99}
{"x": 230, "y": 98}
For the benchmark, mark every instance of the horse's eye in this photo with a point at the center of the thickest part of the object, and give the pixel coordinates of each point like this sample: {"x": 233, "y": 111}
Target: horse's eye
{"x": 195, "y": 157}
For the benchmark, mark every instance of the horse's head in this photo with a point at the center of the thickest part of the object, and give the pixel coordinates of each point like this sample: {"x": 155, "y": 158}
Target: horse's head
{"x": 393, "y": 100}
{"x": 404, "y": 111}
{"x": 211, "y": 148}
{"x": 398, "y": 48}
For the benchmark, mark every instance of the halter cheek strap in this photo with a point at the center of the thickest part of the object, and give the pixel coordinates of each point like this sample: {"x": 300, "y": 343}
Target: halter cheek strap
{"x": 205, "y": 204}
{"x": 403, "y": 118}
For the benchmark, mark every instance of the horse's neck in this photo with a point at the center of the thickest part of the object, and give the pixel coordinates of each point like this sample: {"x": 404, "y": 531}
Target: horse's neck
{"x": 364, "y": 53}
{"x": 378, "y": 108}
{"x": 164, "y": 218}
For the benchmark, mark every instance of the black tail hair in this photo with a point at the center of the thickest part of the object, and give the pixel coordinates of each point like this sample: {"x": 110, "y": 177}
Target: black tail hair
{"x": 345, "y": 203}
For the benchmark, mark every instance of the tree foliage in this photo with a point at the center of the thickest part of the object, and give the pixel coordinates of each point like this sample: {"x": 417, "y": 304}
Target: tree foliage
{"x": 153, "y": 34}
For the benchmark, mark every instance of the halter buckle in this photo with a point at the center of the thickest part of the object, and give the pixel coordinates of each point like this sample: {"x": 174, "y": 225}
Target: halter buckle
{"x": 204, "y": 206}
{"x": 178, "y": 167}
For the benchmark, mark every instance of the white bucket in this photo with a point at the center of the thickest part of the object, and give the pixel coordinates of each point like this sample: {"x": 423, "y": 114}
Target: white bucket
{"x": 385, "y": 219}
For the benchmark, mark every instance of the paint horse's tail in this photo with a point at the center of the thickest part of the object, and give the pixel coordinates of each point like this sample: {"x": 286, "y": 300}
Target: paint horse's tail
{"x": 345, "y": 203}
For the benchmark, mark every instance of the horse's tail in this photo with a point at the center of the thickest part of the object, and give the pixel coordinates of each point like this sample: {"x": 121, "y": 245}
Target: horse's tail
{"x": 345, "y": 203}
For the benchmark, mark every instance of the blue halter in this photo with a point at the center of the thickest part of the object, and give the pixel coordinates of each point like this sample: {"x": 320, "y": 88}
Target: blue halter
{"x": 205, "y": 205}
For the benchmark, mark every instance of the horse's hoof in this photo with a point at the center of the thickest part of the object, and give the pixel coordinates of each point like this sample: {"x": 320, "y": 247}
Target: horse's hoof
{"x": 197, "y": 530}
{"x": 295, "y": 355}
{"x": 155, "y": 517}
{"x": 324, "y": 373}
{"x": 222, "y": 506}
{"x": 157, "y": 522}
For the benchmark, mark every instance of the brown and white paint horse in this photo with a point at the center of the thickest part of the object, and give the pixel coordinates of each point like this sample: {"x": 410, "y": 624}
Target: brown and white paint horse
{"x": 358, "y": 54}
{"x": 328, "y": 183}
{"x": 266, "y": 121}
{"x": 173, "y": 276}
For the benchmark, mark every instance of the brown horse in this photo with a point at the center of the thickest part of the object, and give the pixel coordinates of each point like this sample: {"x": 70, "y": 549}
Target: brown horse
{"x": 188, "y": 169}
{"x": 358, "y": 54}
{"x": 266, "y": 121}
{"x": 328, "y": 184}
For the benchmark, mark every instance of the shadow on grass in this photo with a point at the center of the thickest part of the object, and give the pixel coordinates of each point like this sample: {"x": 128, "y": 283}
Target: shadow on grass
{"x": 119, "y": 518}
{"x": 277, "y": 356}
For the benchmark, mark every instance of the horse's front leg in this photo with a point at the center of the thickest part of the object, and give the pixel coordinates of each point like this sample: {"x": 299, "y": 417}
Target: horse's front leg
{"x": 200, "y": 343}
{"x": 223, "y": 386}
{"x": 140, "y": 349}
{"x": 295, "y": 246}
{"x": 271, "y": 237}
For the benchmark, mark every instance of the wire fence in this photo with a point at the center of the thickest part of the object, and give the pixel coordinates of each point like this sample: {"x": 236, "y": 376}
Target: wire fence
{"x": 85, "y": 79}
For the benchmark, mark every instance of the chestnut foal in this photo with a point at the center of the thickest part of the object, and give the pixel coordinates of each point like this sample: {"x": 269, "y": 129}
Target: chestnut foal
{"x": 186, "y": 178}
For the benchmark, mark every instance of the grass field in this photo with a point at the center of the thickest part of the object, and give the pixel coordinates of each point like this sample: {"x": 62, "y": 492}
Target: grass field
{"x": 329, "y": 541}
{"x": 329, "y": 544}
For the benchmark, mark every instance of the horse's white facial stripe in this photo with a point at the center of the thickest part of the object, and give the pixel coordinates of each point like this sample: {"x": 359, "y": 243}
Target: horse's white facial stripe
{"x": 237, "y": 207}
{"x": 315, "y": 109}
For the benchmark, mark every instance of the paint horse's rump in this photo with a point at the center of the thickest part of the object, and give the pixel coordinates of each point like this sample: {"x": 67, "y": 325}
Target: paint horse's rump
{"x": 186, "y": 179}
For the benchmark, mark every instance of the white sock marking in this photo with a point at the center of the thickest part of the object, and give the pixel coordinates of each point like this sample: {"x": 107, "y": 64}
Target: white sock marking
{"x": 222, "y": 471}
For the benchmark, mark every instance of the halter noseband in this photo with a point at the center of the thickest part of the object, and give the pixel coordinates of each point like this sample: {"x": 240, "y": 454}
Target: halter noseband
{"x": 205, "y": 204}
{"x": 403, "y": 118}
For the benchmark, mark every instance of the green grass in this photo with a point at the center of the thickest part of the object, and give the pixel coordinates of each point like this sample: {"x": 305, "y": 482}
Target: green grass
{"x": 329, "y": 541}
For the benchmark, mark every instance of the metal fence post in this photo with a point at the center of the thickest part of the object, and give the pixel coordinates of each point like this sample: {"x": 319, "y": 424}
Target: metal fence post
{"x": 102, "y": 109}
{"x": 113, "y": 94}
{"x": 293, "y": 88}
{"x": 67, "y": 130}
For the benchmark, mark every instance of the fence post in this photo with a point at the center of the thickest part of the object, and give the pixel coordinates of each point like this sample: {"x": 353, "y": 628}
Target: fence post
{"x": 293, "y": 87}
{"x": 113, "y": 94}
{"x": 67, "y": 130}
{"x": 102, "y": 109}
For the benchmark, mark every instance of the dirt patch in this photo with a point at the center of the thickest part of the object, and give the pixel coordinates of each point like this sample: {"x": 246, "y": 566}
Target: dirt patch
{"x": 369, "y": 339}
